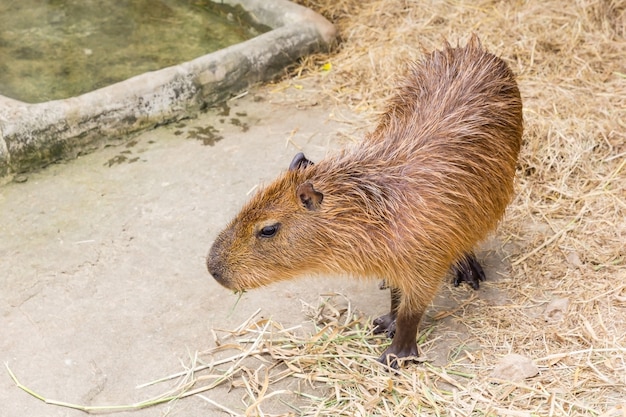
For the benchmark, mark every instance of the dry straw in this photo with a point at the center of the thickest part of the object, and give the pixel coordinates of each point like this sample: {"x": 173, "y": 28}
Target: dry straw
{"x": 338, "y": 375}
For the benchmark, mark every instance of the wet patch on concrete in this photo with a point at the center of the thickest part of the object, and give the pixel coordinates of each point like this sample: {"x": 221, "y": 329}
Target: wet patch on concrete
{"x": 236, "y": 122}
{"x": 121, "y": 158}
{"x": 208, "y": 135}
{"x": 125, "y": 156}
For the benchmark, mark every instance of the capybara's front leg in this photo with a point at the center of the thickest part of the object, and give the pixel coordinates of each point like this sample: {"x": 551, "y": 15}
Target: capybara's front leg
{"x": 404, "y": 344}
{"x": 469, "y": 270}
{"x": 387, "y": 322}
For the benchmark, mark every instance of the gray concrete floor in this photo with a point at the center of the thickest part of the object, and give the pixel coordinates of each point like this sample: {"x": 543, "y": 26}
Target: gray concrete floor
{"x": 103, "y": 283}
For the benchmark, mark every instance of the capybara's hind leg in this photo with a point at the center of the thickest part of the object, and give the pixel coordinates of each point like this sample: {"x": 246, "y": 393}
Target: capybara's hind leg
{"x": 387, "y": 322}
{"x": 469, "y": 270}
{"x": 404, "y": 344}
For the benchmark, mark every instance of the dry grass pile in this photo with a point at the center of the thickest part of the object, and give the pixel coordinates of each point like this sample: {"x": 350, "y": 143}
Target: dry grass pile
{"x": 336, "y": 374}
{"x": 565, "y": 233}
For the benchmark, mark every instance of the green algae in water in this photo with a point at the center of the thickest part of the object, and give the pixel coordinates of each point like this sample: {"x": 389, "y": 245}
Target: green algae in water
{"x": 57, "y": 49}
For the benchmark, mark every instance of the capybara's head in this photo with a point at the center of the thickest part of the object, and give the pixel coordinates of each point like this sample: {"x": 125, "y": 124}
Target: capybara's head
{"x": 271, "y": 238}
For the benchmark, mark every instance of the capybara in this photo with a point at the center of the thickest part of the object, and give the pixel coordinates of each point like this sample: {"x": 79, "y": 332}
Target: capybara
{"x": 406, "y": 204}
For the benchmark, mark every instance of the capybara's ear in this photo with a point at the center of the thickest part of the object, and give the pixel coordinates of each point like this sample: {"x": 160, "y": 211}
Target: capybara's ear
{"x": 309, "y": 197}
{"x": 299, "y": 161}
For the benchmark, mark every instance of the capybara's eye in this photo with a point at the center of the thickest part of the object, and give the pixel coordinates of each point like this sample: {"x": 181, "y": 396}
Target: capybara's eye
{"x": 268, "y": 231}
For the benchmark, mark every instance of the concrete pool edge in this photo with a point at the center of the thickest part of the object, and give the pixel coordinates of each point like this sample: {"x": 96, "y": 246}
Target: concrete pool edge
{"x": 34, "y": 135}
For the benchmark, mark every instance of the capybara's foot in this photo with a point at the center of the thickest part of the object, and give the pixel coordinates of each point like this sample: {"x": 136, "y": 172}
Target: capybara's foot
{"x": 385, "y": 324}
{"x": 469, "y": 270}
{"x": 394, "y": 356}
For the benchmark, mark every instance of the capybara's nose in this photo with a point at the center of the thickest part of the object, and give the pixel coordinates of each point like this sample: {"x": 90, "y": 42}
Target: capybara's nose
{"x": 216, "y": 269}
{"x": 213, "y": 269}
{"x": 215, "y": 273}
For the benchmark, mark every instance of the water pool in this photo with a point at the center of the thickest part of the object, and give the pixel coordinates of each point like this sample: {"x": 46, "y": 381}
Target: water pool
{"x": 58, "y": 49}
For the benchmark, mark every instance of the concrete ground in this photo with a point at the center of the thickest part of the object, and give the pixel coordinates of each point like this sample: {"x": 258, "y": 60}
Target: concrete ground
{"x": 103, "y": 283}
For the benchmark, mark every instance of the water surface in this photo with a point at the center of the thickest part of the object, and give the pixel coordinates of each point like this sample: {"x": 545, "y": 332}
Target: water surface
{"x": 62, "y": 48}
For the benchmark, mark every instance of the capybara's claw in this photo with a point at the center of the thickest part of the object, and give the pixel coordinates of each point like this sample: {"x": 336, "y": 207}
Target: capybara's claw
{"x": 393, "y": 357}
{"x": 468, "y": 270}
{"x": 385, "y": 324}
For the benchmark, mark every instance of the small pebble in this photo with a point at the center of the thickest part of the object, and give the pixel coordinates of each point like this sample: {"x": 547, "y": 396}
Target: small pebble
{"x": 515, "y": 368}
{"x": 555, "y": 310}
{"x": 573, "y": 258}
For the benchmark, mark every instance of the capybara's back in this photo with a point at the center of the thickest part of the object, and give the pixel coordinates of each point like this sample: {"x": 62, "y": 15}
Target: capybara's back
{"x": 449, "y": 141}
{"x": 407, "y": 203}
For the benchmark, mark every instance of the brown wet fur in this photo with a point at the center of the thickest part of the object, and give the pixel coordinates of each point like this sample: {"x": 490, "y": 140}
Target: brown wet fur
{"x": 406, "y": 204}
